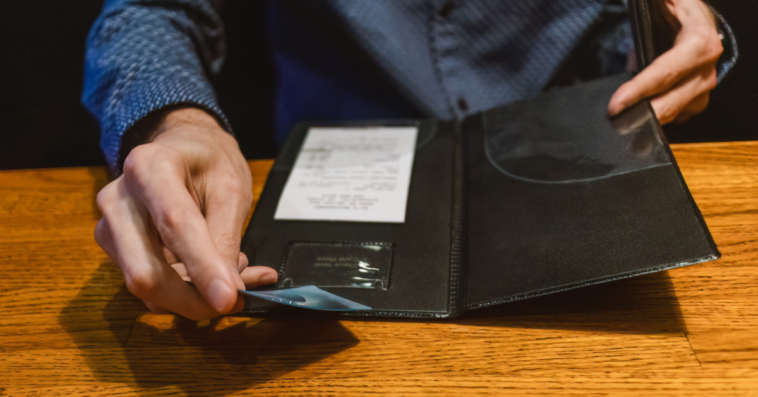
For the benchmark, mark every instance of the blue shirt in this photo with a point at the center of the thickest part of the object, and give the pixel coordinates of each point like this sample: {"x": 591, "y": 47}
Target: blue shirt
{"x": 340, "y": 59}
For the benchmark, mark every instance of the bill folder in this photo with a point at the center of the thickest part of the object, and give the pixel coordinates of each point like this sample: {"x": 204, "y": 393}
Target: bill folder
{"x": 532, "y": 198}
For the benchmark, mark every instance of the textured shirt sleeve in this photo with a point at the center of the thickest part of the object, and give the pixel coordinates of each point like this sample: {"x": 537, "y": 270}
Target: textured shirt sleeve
{"x": 731, "y": 52}
{"x": 143, "y": 55}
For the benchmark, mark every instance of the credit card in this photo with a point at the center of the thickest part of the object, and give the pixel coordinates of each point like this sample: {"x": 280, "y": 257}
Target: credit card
{"x": 308, "y": 297}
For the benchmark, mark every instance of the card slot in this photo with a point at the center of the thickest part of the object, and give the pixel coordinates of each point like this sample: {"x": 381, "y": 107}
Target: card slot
{"x": 337, "y": 264}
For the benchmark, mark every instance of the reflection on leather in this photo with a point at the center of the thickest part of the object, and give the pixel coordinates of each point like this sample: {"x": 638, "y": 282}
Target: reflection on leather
{"x": 566, "y": 136}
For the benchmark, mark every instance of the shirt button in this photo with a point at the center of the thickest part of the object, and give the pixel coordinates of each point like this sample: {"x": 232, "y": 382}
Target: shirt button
{"x": 446, "y": 9}
{"x": 462, "y": 105}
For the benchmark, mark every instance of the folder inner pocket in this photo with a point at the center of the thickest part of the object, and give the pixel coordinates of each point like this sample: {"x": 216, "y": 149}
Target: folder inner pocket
{"x": 547, "y": 140}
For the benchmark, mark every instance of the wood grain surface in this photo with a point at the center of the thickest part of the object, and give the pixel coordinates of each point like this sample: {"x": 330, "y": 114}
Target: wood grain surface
{"x": 68, "y": 326}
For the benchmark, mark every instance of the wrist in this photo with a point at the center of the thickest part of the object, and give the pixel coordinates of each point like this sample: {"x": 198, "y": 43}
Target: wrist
{"x": 167, "y": 119}
{"x": 183, "y": 118}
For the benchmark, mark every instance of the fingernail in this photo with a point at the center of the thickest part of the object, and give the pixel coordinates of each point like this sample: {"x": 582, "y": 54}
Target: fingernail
{"x": 269, "y": 278}
{"x": 218, "y": 294}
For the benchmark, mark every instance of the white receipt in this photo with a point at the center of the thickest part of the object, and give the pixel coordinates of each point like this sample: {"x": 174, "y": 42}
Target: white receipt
{"x": 358, "y": 174}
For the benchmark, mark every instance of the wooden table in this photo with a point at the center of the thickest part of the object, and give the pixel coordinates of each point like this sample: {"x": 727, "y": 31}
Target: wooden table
{"x": 68, "y": 326}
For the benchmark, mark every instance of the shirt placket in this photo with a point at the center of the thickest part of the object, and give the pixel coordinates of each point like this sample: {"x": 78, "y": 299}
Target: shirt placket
{"x": 446, "y": 55}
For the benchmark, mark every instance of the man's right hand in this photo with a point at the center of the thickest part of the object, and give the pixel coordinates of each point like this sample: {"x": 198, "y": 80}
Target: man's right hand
{"x": 176, "y": 215}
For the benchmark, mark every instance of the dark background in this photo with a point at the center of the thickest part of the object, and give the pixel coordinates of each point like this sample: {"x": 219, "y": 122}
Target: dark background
{"x": 43, "y": 124}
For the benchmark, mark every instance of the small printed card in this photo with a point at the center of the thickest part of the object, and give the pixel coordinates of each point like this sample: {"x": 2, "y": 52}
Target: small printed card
{"x": 358, "y": 174}
{"x": 308, "y": 297}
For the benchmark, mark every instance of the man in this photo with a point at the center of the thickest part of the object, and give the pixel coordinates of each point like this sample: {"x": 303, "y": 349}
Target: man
{"x": 176, "y": 212}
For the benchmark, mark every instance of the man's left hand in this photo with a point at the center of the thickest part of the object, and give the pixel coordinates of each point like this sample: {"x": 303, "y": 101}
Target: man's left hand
{"x": 679, "y": 81}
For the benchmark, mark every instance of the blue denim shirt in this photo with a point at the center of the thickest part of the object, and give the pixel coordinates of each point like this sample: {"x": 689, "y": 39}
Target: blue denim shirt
{"x": 340, "y": 59}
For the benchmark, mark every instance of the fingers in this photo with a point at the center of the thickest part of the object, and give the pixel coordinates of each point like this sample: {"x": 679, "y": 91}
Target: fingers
{"x": 259, "y": 275}
{"x": 182, "y": 270}
{"x": 690, "y": 91}
{"x": 170, "y": 257}
{"x": 696, "y": 106}
{"x": 134, "y": 246}
{"x": 251, "y": 276}
{"x": 159, "y": 182}
{"x": 666, "y": 71}
{"x": 243, "y": 262}
{"x": 697, "y": 47}
{"x": 661, "y": 75}
{"x": 229, "y": 197}
{"x": 104, "y": 239}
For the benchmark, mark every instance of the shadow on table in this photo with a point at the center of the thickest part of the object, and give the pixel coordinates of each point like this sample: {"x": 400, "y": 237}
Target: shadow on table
{"x": 223, "y": 355}
{"x": 124, "y": 344}
{"x": 644, "y": 304}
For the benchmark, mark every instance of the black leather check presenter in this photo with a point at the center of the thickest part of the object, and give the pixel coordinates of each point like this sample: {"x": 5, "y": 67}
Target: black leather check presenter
{"x": 429, "y": 218}
{"x": 536, "y": 197}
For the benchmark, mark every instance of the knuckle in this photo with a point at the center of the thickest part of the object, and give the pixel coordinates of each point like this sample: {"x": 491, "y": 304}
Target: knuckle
{"x": 700, "y": 36}
{"x": 145, "y": 160}
{"x": 170, "y": 221}
{"x": 666, "y": 114}
{"x": 706, "y": 46}
{"x": 106, "y": 198}
{"x": 137, "y": 158}
{"x": 142, "y": 284}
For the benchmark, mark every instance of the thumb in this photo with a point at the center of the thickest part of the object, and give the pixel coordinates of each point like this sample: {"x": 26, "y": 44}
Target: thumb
{"x": 227, "y": 207}
{"x": 185, "y": 232}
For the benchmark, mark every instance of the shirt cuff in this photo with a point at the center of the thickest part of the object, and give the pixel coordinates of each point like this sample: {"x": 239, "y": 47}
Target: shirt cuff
{"x": 150, "y": 96}
{"x": 731, "y": 53}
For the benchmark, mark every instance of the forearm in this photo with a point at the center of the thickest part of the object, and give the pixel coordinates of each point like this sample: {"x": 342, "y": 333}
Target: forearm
{"x": 148, "y": 55}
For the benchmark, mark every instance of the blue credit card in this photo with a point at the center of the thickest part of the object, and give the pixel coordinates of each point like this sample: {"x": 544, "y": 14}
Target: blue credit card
{"x": 308, "y": 297}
